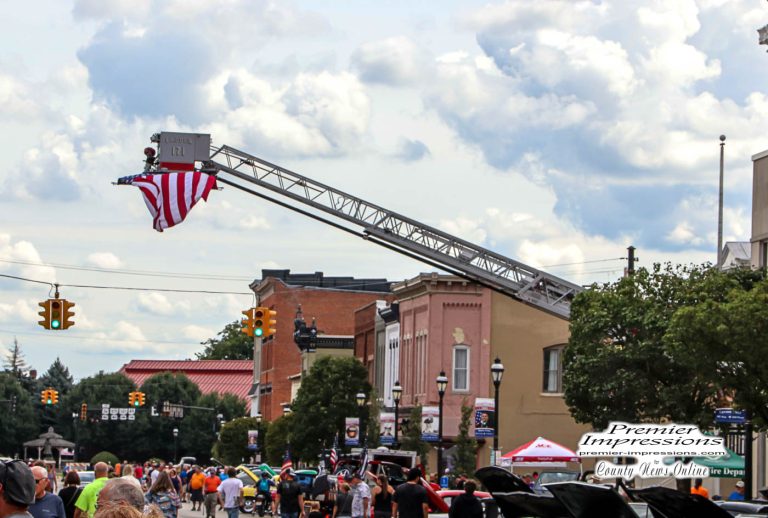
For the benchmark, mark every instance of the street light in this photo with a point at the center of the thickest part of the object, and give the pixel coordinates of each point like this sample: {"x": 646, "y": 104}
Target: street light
{"x": 442, "y": 383}
{"x": 497, "y": 372}
{"x": 175, "y": 443}
{"x": 397, "y": 393}
{"x": 360, "y": 398}
{"x": 287, "y": 410}
{"x": 258, "y": 435}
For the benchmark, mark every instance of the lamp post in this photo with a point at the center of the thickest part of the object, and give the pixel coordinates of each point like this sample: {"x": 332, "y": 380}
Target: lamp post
{"x": 175, "y": 443}
{"x": 287, "y": 410}
{"x": 397, "y": 393}
{"x": 75, "y": 416}
{"x": 259, "y": 438}
{"x": 360, "y": 398}
{"x": 442, "y": 383}
{"x": 720, "y": 207}
{"x": 497, "y": 372}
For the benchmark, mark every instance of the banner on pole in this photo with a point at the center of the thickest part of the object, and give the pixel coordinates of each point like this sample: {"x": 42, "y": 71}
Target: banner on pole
{"x": 387, "y": 428}
{"x": 253, "y": 440}
{"x": 429, "y": 418}
{"x": 485, "y": 417}
{"x": 352, "y": 431}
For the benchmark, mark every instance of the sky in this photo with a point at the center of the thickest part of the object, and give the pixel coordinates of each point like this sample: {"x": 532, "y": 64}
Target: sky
{"x": 557, "y": 133}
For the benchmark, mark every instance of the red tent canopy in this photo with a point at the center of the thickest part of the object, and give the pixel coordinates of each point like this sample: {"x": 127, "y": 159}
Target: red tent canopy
{"x": 542, "y": 450}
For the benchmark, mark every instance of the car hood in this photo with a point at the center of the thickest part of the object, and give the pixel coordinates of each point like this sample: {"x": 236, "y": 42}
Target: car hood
{"x": 500, "y": 480}
{"x": 671, "y": 503}
{"x": 518, "y": 504}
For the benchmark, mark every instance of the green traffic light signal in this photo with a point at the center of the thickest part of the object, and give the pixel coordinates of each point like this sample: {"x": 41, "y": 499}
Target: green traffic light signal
{"x": 55, "y": 315}
{"x": 49, "y": 402}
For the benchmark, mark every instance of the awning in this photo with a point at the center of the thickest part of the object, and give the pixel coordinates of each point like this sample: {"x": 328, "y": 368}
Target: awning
{"x": 730, "y": 465}
{"x": 542, "y": 450}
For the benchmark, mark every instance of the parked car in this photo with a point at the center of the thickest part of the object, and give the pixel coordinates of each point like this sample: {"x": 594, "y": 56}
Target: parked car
{"x": 745, "y": 508}
{"x": 86, "y": 477}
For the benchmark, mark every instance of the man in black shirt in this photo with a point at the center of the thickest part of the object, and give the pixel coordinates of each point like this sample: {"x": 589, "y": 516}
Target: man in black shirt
{"x": 410, "y": 499}
{"x": 289, "y": 497}
{"x": 466, "y": 505}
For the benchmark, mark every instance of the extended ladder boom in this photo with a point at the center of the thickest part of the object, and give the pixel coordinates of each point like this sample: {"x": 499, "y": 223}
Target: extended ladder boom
{"x": 489, "y": 268}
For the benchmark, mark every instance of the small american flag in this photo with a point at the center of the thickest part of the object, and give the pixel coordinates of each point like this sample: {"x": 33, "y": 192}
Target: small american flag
{"x": 334, "y": 457}
{"x": 287, "y": 463}
{"x": 170, "y": 196}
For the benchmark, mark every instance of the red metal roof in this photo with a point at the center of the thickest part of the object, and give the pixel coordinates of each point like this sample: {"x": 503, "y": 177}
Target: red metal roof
{"x": 222, "y": 376}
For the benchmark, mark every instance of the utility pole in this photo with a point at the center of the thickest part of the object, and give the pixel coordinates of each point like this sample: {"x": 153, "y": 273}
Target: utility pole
{"x": 720, "y": 207}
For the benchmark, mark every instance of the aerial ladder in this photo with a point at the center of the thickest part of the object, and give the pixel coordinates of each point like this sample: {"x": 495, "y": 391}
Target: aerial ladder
{"x": 376, "y": 224}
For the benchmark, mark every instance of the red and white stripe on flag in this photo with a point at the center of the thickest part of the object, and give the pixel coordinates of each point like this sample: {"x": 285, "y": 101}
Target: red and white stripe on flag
{"x": 170, "y": 196}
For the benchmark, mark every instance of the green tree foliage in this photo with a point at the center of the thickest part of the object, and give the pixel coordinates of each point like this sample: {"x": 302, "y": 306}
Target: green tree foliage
{"x": 105, "y": 456}
{"x": 279, "y": 436}
{"x": 326, "y": 397}
{"x": 411, "y": 437}
{"x": 725, "y": 341}
{"x": 373, "y": 421}
{"x": 58, "y": 377}
{"x": 465, "y": 459}
{"x": 14, "y": 360}
{"x": 20, "y": 425}
{"x": 198, "y": 429}
{"x": 230, "y": 344}
{"x": 618, "y": 366}
{"x": 232, "y": 447}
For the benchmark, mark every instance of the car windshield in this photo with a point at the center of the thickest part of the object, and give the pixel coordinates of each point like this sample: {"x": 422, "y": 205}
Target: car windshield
{"x": 245, "y": 479}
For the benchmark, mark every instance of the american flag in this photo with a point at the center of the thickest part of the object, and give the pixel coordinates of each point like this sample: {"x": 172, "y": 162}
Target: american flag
{"x": 334, "y": 456}
{"x": 287, "y": 463}
{"x": 363, "y": 462}
{"x": 170, "y": 196}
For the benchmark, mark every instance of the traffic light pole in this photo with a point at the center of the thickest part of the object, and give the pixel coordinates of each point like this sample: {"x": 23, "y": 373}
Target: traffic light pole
{"x": 258, "y": 342}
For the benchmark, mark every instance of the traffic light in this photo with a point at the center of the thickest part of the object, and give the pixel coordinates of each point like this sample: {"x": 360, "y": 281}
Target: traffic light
{"x": 45, "y": 397}
{"x": 55, "y": 314}
{"x": 248, "y": 321}
{"x": 13, "y": 404}
{"x": 270, "y": 321}
{"x": 83, "y": 412}
{"x": 141, "y": 398}
{"x": 67, "y": 314}
{"x": 259, "y": 322}
{"x": 54, "y": 396}
{"x": 45, "y": 313}
{"x": 132, "y": 399}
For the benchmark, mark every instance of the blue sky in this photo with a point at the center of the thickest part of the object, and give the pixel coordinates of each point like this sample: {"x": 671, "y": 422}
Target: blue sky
{"x": 554, "y": 132}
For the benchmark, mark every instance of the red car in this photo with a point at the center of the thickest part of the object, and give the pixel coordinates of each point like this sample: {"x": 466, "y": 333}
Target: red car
{"x": 449, "y": 494}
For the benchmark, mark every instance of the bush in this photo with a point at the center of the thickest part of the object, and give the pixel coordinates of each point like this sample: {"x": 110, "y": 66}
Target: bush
{"x": 105, "y": 456}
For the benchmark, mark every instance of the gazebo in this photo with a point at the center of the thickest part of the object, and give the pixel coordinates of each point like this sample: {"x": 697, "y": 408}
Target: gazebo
{"x": 45, "y": 443}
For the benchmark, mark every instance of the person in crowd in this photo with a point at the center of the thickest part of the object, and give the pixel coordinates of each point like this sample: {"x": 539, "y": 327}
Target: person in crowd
{"x": 342, "y": 506}
{"x": 46, "y": 505}
{"x": 264, "y": 488}
{"x": 289, "y": 497}
{"x": 361, "y": 495}
{"x": 410, "y": 499}
{"x": 196, "y": 483}
{"x": 382, "y": 498}
{"x": 211, "y": 490}
{"x": 229, "y": 496}
{"x": 164, "y": 496}
{"x": 738, "y": 493}
{"x": 119, "y": 491}
{"x": 86, "y": 502}
{"x": 314, "y": 510}
{"x": 138, "y": 470}
{"x": 122, "y": 511}
{"x": 698, "y": 489}
{"x": 53, "y": 484}
{"x": 176, "y": 481}
{"x": 184, "y": 473}
{"x": 461, "y": 480}
{"x": 128, "y": 474}
{"x": 17, "y": 489}
{"x": 70, "y": 492}
{"x": 466, "y": 505}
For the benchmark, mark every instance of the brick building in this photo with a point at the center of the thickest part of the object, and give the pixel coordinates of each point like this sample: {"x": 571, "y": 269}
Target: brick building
{"x": 332, "y": 301}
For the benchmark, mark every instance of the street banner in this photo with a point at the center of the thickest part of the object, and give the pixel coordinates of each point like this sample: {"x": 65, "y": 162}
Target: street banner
{"x": 253, "y": 440}
{"x": 387, "y": 428}
{"x": 429, "y": 417}
{"x": 485, "y": 417}
{"x": 352, "y": 431}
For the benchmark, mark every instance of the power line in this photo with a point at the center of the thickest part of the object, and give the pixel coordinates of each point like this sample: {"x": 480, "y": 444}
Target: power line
{"x": 130, "y": 288}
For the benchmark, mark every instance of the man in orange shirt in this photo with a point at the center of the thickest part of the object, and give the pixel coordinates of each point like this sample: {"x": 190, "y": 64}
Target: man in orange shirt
{"x": 196, "y": 482}
{"x": 211, "y": 486}
{"x": 698, "y": 489}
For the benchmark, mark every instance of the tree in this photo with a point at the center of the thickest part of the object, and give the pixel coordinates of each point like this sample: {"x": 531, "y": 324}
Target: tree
{"x": 326, "y": 397}
{"x": 465, "y": 458}
{"x": 197, "y": 431}
{"x": 373, "y": 421}
{"x": 232, "y": 344}
{"x": 411, "y": 438}
{"x": 725, "y": 341}
{"x": 280, "y": 435}
{"x": 617, "y": 364}
{"x": 232, "y": 447}
{"x": 58, "y": 377}
{"x": 20, "y": 421}
{"x": 14, "y": 360}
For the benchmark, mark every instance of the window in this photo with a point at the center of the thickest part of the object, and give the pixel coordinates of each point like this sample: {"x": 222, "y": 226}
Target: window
{"x": 460, "y": 368}
{"x": 553, "y": 370}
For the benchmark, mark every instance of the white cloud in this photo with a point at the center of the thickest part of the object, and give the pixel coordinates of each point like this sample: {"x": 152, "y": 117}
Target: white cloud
{"x": 198, "y": 333}
{"x": 24, "y": 252}
{"x": 393, "y": 61}
{"x": 105, "y": 260}
{"x": 158, "y": 304}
